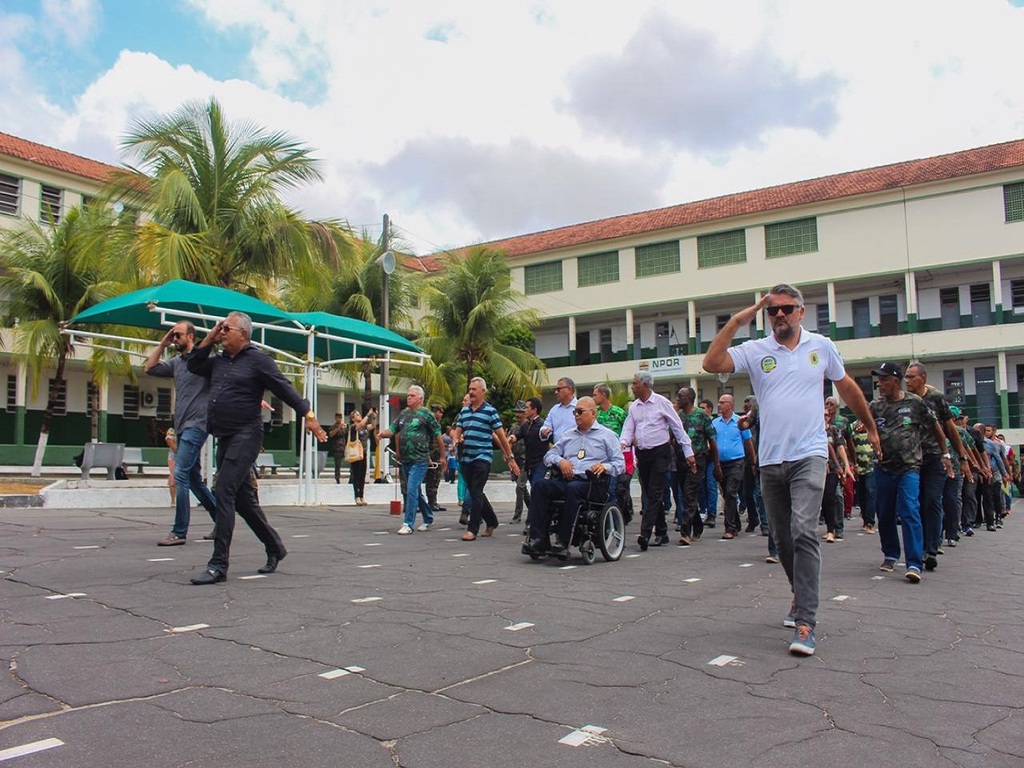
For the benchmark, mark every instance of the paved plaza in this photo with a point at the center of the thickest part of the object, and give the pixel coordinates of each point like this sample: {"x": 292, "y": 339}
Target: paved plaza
{"x": 372, "y": 650}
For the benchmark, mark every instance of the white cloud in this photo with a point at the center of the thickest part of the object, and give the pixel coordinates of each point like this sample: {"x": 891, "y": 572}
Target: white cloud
{"x": 74, "y": 20}
{"x": 467, "y": 120}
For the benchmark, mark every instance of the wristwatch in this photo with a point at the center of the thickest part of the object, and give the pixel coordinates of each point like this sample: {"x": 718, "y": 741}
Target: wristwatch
{"x": 946, "y": 455}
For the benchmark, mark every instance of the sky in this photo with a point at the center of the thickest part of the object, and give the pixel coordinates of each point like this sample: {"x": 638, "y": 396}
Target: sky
{"x": 473, "y": 120}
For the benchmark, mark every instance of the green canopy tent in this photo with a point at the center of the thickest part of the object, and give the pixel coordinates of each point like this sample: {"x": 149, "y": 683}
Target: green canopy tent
{"x": 310, "y": 340}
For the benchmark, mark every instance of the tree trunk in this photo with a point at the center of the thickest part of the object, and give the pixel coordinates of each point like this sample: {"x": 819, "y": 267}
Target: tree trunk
{"x": 94, "y": 406}
{"x": 44, "y": 428}
{"x": 367, "y": 391}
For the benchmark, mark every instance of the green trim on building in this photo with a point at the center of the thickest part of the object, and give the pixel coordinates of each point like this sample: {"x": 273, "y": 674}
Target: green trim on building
{"x": 911, "y": 325}
{"x": 572, "y": 357}
{"x": 1004, "y": 408}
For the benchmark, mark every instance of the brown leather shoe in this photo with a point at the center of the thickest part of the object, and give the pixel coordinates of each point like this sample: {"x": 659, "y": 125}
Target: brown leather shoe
{"x": 171, "y": 541}
{"x": 469, "y": 536}
{"x": 488, "y": 531}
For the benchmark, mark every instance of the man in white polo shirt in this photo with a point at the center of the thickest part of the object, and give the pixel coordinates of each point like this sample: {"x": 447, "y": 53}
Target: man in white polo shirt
{"x": 787, "y": 371}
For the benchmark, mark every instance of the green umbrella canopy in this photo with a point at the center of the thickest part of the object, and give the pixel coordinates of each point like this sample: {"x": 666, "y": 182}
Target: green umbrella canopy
{"x": 343, "y": 338}
{"x": 336, "y": 338}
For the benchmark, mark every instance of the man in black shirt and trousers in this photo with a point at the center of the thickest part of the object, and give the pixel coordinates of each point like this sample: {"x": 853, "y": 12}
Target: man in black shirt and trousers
{"x": 238, "y": 378}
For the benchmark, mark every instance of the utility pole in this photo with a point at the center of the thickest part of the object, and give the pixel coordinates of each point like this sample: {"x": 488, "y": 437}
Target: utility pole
{"x": 384, "y": 412}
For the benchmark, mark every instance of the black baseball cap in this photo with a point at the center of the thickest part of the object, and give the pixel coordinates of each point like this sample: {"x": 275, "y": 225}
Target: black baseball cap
{"x": 889, "y": 369}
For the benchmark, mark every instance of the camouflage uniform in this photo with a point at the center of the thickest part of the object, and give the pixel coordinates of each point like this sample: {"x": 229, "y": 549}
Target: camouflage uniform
{"x": 897, "y": 480}
{"x": 936, "y": 497}
{"x": 864, "y": 469}
{"x": 701, "y": 432}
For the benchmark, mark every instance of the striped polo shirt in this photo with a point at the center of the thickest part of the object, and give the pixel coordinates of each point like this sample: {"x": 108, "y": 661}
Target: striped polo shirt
{"x": 477, "y": 429}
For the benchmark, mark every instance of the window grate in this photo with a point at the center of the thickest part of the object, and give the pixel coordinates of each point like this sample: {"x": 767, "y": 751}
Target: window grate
{"x": 49, "y": 205}
{"x": 789, "y": 237}
{"x": 657, "y": 259}
{"x": 1013, "y": 201}
{"x": 130, "y": 408}
{"x": 10, "y": 193}
{"x": 598, "y": 268}
{"x": 542, "y": 278}
{"x": 722, "y": 248}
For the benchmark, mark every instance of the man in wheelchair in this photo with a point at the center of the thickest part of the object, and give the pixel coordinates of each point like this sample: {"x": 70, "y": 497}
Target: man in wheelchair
{"x": 587, "y": 449}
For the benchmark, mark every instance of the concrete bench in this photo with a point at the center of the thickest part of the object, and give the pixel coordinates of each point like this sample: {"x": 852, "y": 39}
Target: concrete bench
{"x": 264, "y": 462}
{"x": 107, "y": 456}
{"x": 133, "y": 458}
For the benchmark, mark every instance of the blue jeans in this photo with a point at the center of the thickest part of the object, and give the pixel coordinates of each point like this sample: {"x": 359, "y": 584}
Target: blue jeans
{"x": 415, "y": 474}
{"x": 711, "y": 491}
{"x": 932, "y": 481}
{"x": 899, "y": 495}
{"x": 188, "y": 478}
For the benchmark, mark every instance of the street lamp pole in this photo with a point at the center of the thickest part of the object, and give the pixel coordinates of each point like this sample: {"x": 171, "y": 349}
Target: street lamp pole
{"x": 387, "y": 263}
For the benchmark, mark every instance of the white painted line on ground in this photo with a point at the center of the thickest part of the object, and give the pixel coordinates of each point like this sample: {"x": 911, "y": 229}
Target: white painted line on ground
{"x": 355, "y": 670}
{"x": 485, "y": 581}
{"x": 30, "y": 749}
{"x": 513, "y": 535}
{"x": 334, "y": 673}
{"x": 370, "y": 565}
{"x": 373, "y": 544}
{"x": 300, "y": 536}
{"x": 254, "y": 576}
{"x": 445, "y": 529}
{"x": 461, "y": 554}
{"x": 624, "y": 599}
{"x": 189, "y": 628}
{"x": 721, "y": 661}
{"x": 69, "y": 594}
{"x": 746, "y": 565}
{"x": 367, "y": 599}
{"x": 566, "y": 567}
{"x": 693, "y": 580}
{"x": 633, "y": 555}
{"x": 453, "y": 539}
{"x": 160, "y": 559}
{"x": 381, "y": 533}
{"x": 519, "y": 626}
{"x": 841, "y": 598}
{"x": 91, "y": 546}
{"x": 588, "y": 734}
{"x": 877, "y": 578}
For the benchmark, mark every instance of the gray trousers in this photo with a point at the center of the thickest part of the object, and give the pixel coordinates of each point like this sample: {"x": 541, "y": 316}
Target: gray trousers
{"x": 792, "y": 498}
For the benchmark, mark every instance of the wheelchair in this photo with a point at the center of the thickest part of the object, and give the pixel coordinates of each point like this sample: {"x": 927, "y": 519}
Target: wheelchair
{"x": 599, "y": 524}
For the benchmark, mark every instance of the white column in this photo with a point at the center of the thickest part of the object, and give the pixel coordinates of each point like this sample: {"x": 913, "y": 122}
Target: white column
{"x": 832, "y": 314}
{"x": 572, "y": 337}
{"x": 629, "y": 327}
{"x": 759, "y": 317}
{"x": 997, "y": 284}
{"x": 691, "y": 320}
{"x": 910, "y": 287}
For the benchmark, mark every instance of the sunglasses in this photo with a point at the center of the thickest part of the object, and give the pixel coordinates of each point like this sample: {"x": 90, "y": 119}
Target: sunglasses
{"x": 177, "y": 335}
{"x": 788, "y": 309}
{"x": 580, "y": 411}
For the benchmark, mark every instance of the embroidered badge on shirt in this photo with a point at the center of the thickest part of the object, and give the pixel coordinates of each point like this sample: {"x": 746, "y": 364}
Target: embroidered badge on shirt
{"x": 768, "y": 364}
{"x": 813, "y": 357}
{"x": 581, "y": 454}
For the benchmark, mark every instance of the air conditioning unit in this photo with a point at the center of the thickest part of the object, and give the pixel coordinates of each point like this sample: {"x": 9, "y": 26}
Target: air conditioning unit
{"x": 147, "y": 401}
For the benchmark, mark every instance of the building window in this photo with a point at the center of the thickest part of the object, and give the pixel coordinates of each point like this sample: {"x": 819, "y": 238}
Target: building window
{"x": 953, "y": 381}
{"x": 861, "y": 319}
{"x": 606, "y": 345}
{"x": 821, "y": 314}
{"x": 163, "y": 402}
{"x": 1017, "y": 296}
{"x": 91, "y": 392}
{"x": 597, "y": 269}
{"x": 657, "y": 259}
{"x": 987, "y": 397}
{"x": 12, "y": 393}
{"x": 722, "y": 248}
{"x": 981, "y": 305}
{"x": 60, "y": 397}
{"x": 888, "y": 315}
{"x": 789, "y": 237}
{"x": 10, "y": 192}
{"x": 543, "y": 278}
{"x": 49, "y": 205}
{"x": 130, "y": 407}
{"x": 1013, "y": 201}
{"x": 949, "y": 303}
{"x": 661, "y": 335}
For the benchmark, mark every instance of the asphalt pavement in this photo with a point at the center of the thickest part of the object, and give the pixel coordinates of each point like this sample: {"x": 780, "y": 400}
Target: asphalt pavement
{"x": 368, "y": 649}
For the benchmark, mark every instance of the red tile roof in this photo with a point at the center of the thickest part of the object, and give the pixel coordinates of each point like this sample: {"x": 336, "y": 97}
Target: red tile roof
{"x": 995, "y": 157}
{"x": 57, "y": 159}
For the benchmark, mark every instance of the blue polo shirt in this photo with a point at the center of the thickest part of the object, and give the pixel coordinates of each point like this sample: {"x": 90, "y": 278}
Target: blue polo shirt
{"x": 730, "y": 438}
{"x": 477, "y": 429}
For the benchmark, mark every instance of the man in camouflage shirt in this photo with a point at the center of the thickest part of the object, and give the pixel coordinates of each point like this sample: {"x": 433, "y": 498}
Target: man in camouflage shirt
{"x": 612, "y": 416}
{"x": 900, "y": 417}
{"x": 864, "y": 470}
{"x": 701, "y": 432}
{"x": 936, "y": 465}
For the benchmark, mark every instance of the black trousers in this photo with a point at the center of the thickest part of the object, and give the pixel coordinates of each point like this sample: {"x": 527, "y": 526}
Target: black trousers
{"x": 544, "y": 492}
{"x": 652, "y": 466}
{"x": 732, "y": 480}
{"x": 237, "y": 493}
{"x": 476, "y": 474}
{"x": 691, "y": 482}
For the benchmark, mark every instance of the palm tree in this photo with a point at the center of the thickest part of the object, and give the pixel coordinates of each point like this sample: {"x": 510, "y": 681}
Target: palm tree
{"x": 472, "y": 308}
{"x": 50, "y": 274}
{"x": 212, "y": 191}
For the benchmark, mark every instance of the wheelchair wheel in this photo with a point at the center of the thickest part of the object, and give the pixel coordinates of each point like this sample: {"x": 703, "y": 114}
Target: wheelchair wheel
{"x": 611, "y": 532}
{"x": 588, "y": 552}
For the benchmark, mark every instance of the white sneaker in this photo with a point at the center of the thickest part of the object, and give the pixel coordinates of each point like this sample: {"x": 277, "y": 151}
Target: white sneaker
{"x": 404, "y": 530}
{"x": 423, "y": 527}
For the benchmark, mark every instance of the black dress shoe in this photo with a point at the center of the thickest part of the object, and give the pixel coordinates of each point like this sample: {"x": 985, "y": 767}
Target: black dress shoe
{"x": 209, "y": 576}
{"x": 641, "y": 540}
{"x": 560, "y": 550}
{"x": 211, "y": 535}
{"x": 751, "y": 527}
{"x": 535, "y": 547}
{"x": 272, "y": 561}
{"x": 438, "y": 508}
{"x": 660, "y": 541}
{"x": 463, "y": 519}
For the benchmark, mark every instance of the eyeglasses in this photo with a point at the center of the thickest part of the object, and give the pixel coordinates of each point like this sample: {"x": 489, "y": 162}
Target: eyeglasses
{"x": 231, "y": 328}
{"x": 581, "y": 411}
{"x": 560, "y": 388}
{"x": 177, "y": 335}
{"x": 788, "y": 309}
